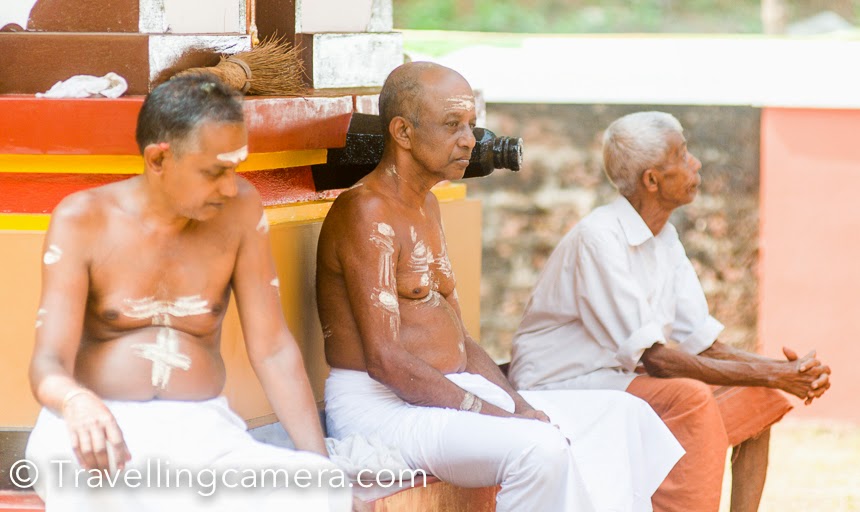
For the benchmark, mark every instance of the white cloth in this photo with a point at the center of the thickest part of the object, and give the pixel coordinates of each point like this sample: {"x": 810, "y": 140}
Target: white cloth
{"x": 87, "y": 86}
{"x": 165, "y": 437}
{"x": 619, "y": 450}
{"x": 609, "y": 291}
{"x": 365, "y": 457}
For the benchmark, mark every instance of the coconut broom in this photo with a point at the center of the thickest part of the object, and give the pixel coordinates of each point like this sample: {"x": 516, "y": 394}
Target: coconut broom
{"x": 272, "y": 68}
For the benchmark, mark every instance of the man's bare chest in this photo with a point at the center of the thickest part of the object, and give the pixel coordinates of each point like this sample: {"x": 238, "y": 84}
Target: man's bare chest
{"x": 423, "y": 264}
{"x": 182, "y": 282}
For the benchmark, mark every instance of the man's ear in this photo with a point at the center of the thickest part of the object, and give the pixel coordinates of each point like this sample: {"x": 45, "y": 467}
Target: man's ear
{"x": 651, "y": 180}
{"x": 153, "y": 156}
{"x": 400, "y": 130}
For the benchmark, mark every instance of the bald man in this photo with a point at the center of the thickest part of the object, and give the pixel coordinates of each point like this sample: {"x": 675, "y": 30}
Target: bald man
{"x": 405, "y": 370}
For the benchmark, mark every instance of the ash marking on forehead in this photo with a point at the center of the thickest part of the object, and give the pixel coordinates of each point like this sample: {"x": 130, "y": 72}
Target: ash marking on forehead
{"x": 263, "y": 224}
{"x": 461, "y": 102}
{"x": 52, "y": 255}
{"x": 461, "y": 346}
{"x": 412, "y": 234}
{"x": 327, "y": 332}
{"x": 277, "y": 284}
{"x": 234, "y": 157}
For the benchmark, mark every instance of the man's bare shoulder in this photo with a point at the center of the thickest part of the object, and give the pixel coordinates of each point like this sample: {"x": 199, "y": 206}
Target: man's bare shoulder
{"x": 79, "y": 222}
{"x": 352, "y": 225}
{"x": 431, "y": 202}
{"x": 246, "y": 204}
{"x": 86, "y": 209}
{"x": 359, "y": 206}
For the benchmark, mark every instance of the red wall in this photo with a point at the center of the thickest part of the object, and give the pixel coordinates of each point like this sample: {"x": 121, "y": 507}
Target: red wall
{"x": 810, "y": 246}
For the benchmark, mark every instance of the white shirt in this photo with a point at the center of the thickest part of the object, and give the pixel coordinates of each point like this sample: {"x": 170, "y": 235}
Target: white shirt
{"x": 609, "y": 291}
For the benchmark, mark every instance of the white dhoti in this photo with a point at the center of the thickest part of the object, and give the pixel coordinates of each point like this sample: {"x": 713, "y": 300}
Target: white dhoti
{"x": 189, "y": 456}
{"x": 619, "y": 450}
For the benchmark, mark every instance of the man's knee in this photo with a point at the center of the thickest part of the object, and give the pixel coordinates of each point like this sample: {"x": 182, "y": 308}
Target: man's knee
{"x": 544, "y": 450}
{"x": 686, "y": 405}
{"x": 697, "y": 415}
{"x": 695, "y": 392}
{"x": 679, "y": 396}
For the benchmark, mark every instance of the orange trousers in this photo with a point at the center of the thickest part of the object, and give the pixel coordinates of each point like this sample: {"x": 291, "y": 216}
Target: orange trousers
{"x": 706, "y": 420}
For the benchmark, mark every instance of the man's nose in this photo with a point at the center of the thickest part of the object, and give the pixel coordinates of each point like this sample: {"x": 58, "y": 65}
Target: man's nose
{"x": 228, "y": 187}
{"x": 468, "y": 138}
{"x": 696, "y": 163}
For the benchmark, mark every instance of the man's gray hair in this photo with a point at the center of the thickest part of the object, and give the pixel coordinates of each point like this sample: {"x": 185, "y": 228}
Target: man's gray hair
{"x": 635, "y": 143}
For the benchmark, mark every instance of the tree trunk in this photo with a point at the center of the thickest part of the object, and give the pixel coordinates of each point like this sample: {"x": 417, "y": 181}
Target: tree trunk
{"x": 466, "y": 7}
{"x": 773, "y": 16}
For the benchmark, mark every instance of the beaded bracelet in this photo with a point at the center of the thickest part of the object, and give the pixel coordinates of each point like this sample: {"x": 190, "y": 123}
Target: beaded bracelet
{"x": 471, "y": 403}
{"x": 476, "y": 407}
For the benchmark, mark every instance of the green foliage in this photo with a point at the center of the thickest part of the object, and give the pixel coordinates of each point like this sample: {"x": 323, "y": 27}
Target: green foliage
{"x": 598, "y": 16}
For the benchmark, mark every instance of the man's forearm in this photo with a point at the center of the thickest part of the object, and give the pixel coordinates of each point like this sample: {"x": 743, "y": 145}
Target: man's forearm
{"x": 285, "y": 382}
{"x": 479, "y": 362}
{"x": 790, "y": 376}
{"x": 417, "y": 383}
{"x": 51, "y": 384}
{"x": 724, "y": 352}
{"x": 664, "y": 362}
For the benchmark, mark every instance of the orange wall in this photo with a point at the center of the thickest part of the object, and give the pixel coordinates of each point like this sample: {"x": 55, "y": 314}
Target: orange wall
{"x": 810, "y": 246}
{"x": 20, "y": 282}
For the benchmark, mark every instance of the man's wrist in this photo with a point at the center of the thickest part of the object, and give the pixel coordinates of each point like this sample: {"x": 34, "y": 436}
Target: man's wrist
{"x": 71, "y": 395}
{"x": 471, "y": 403}
{"x": 520, "y": 405}
{"x": 772, "y": 373}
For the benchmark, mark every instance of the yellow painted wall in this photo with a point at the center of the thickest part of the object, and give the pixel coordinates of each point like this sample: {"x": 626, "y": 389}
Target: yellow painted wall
{"x": 294, "y": 246}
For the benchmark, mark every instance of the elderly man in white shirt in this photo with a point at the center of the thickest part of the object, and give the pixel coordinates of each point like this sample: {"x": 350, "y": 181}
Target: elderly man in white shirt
{"x": 619, "y": 289}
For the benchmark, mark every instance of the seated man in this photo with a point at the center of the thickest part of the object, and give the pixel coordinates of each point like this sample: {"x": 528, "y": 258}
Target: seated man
{"x": 618, "y": 287}
{"x": 404, "y": 367}
{"x": 127, "y": 365}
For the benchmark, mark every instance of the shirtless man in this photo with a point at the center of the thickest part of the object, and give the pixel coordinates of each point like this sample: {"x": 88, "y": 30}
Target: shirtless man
{"x": 137, "y": 276}
{"x": 406, "y": 371}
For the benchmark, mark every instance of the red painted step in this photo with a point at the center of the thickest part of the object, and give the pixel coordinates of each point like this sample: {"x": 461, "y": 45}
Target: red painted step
{"x": 93, "y": 126}
{"x": 20, "y": 501}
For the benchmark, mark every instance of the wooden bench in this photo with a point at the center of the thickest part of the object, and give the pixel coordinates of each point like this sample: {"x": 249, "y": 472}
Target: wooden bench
{"x": 436, "y": 496}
